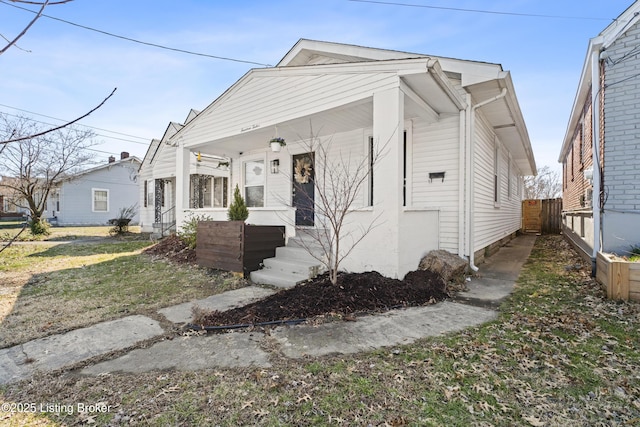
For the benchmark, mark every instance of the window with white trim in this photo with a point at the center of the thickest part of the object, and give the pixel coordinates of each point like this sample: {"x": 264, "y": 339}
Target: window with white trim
{"x": 496, "y": 174}
{"x": 100, "y": 200}
{"x": 509, "y": 180}
{"x": 208, "y": 191}
{"x": 254, "y": 183}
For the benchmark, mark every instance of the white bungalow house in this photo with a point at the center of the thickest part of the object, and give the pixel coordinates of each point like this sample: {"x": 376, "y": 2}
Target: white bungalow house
{"x": 453, "y": 139}
{"x": 158, "y": 182}
{"x": 96, "y": 195}
{"x": 601, "y": 147}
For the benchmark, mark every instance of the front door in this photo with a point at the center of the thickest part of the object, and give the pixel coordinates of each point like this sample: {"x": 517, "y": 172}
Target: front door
{"x": 303, "y": 188}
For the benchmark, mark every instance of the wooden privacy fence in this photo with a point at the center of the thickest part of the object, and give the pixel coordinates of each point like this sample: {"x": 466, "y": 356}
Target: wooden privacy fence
{"x": 542, "y": 216}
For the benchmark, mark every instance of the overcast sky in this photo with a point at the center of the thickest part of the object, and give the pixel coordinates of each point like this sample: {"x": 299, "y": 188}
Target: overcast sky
{"x": 62, "y": 70}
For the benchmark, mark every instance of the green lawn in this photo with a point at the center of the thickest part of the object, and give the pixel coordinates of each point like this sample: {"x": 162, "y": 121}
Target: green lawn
{"x": 559, "y": 354}
{"x": 48, "y": 288}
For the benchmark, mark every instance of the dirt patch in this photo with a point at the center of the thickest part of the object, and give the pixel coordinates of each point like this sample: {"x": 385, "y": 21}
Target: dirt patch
{"x": 173, "y": 249}
{"x": 354, "y": 293}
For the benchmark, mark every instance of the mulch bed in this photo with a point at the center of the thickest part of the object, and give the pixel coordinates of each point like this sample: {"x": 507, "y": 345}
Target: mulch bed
{"x": 173, "y": 249}
{"x": 354, "y": 293}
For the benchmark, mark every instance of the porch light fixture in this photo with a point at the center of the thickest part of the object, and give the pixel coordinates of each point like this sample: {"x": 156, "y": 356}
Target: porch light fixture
{"x": 275, "y": 166}
{"x": 276, "y": 144}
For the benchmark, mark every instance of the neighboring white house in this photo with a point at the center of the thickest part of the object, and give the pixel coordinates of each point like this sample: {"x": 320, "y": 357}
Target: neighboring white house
{"x": 157, "y": 177}
{"x": 455, "y": 149}
{"x": 601, "y": 192}
{"x": 96, "y": 195}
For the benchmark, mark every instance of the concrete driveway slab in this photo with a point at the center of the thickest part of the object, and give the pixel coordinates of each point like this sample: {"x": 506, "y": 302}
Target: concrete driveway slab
{"x": 369, "y": 332}
{"x": 190, "y": 354}
{"x": 181, "y": 313}
{"x": 58, "y": 351}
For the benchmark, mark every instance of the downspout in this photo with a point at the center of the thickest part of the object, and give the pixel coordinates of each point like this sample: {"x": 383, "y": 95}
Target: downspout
{"x": 462, "y": 157}
{"x": 597, "y": 176}
{"x": 471, "y": 171}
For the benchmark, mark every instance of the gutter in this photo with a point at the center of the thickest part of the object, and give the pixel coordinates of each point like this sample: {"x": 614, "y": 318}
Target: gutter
{"x": 470, "y": 154}
{"x": 597, "y": 175}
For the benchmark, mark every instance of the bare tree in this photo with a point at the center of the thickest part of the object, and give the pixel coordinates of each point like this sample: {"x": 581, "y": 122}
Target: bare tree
{"x": 339, "y": 183}
{"x": 37, "y": 164}
{"x": 546, "y": 185}
{"x": 11, "y": 43}
{"x": 42, "y": 5}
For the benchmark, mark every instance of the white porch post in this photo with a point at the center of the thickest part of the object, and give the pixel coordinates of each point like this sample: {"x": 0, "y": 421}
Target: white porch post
{"x": 388, "y": 130}
{"x": 182, "y": 183}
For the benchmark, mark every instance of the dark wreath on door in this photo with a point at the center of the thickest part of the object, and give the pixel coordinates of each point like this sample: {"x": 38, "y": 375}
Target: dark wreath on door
{"x": 303, "y": 188}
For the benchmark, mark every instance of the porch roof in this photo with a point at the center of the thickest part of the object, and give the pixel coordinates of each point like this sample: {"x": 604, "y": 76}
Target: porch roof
{"x": 331, "y": 98}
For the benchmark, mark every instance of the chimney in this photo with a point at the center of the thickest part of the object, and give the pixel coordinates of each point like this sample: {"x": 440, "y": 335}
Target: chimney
{"x": 112, "y": 159}
{"x": 124, "y": 155}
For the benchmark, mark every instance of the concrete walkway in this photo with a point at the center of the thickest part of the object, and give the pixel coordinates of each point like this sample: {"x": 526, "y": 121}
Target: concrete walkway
{"x": 493, "y": 283}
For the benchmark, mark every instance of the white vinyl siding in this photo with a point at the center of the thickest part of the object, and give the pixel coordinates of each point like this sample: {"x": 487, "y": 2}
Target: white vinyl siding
{"x": 100, "y": 199}
{"x": 491, "y": 224}
{"x": 266, "y": 98}
{"x": 435, "y": 148}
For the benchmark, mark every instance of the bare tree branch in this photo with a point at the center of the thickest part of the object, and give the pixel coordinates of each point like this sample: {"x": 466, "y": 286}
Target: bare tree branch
{"x": 340, "y": 182}
{"x": 546, "y": 185}
{"x": 44, "y": 3}
{"x": 22, "y": 138}
{"x": 37, "y": 164}
{"x": 24, "y": 31}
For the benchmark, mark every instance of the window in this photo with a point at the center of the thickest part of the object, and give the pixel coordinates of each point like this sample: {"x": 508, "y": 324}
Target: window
{"x": 100, "y": 200}
{"x": 254, "y": 183}
{"x": 208, "y": 191}
{"x": 148, "y": 193}
{"x": 496, "y": 178}
{"x": 509, "y": 180}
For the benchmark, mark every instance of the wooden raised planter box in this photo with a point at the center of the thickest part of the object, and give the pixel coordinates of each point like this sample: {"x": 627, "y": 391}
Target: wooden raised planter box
{"x": 236, "y": 246}
{"x": 621, "y": 279}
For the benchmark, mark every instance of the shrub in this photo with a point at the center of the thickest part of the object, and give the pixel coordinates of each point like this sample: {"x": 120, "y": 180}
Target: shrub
{"x": 39, "y": 227}
{"x": 188, "y": 231}
{"x": 238, "y": 209}
{"x": 121, "y": 222}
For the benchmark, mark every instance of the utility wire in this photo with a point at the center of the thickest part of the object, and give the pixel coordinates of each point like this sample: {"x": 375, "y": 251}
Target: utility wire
{"x": 493, "y": 12}
{"x": 223, "y": 58}
{"x": 62, "y": 120}
{"x": 97, "y": 134}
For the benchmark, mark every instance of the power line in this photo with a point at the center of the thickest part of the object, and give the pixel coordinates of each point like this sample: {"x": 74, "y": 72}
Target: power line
{"x": 62, "y": 120}
{"x": 493, "y": 12}
{"x": 97, "y": 134}
{"x": 223, "y": 58}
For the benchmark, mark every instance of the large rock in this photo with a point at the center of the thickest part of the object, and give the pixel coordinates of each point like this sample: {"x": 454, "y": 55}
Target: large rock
{"x": 449, "y": 266}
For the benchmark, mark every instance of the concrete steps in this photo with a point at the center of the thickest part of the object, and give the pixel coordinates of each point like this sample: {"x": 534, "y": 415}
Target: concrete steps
{"x": 291, "y": 265}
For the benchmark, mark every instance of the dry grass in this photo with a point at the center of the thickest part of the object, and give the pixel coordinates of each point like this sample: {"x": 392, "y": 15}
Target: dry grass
{"x": 47, "y": 288}
{"x": 559, "y": 354}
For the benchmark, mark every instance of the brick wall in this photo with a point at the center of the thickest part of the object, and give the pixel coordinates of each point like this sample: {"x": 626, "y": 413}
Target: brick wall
{"x": 622, "y": 123}
{"x": 579, "y": 157}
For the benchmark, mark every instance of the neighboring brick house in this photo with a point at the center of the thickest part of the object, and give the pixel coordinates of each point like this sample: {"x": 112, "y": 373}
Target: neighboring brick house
{"x": 601, "y": 194}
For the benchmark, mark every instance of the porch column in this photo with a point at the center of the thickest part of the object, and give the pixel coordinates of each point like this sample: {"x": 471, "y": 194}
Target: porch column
{"x": 182, "y": 183}
{"x": 388, "y": 132}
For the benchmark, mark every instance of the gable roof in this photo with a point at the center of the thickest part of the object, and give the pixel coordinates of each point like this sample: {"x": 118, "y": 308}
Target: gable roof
{"x": 598, "y": 45}
{"x": 130, "y": 159}
{"x": 312, "y": 65}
